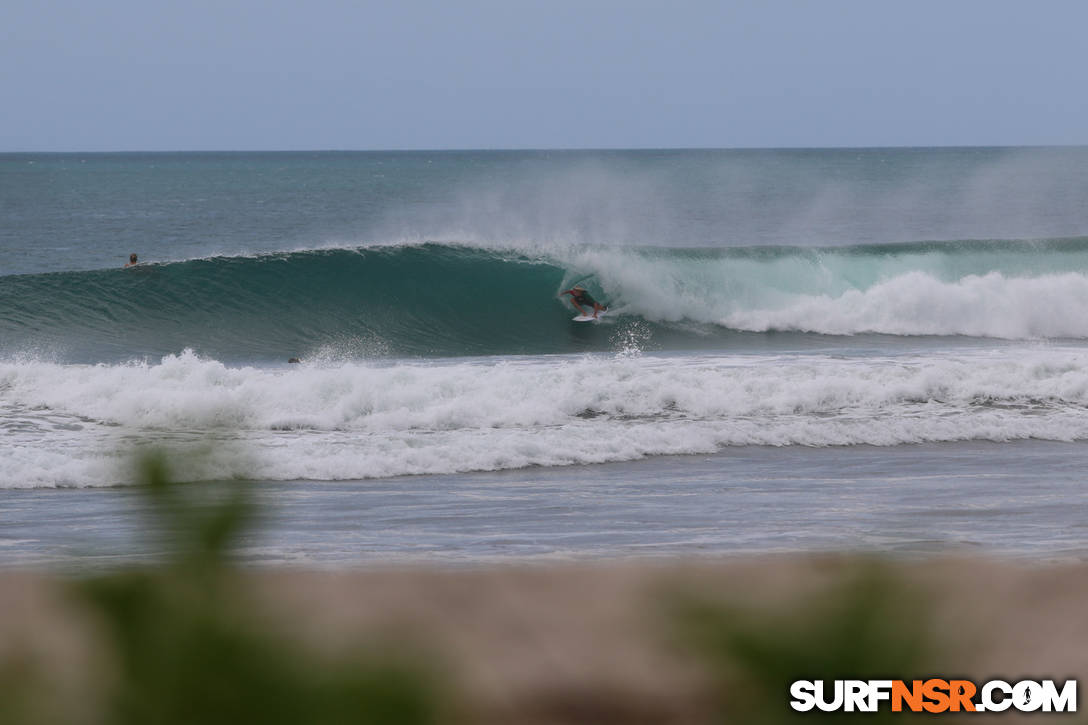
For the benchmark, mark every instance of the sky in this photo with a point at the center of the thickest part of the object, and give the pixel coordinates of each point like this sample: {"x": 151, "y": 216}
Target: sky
{"x": 115, "y": 75}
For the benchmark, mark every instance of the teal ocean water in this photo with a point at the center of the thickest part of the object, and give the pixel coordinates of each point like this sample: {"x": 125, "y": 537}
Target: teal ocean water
{"x": 451, "y": 300}
{"x": 779, "y": 320}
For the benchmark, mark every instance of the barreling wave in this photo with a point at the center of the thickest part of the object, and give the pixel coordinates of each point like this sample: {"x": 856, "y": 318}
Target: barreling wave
{"x": 455, "y": 300}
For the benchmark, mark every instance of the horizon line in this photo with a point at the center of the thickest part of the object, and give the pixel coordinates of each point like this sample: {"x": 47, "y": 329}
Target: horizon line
{"x": 539, "y": 149}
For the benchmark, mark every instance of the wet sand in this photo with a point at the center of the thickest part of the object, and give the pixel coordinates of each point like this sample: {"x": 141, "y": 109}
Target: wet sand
{"x": 1022, "y": 499}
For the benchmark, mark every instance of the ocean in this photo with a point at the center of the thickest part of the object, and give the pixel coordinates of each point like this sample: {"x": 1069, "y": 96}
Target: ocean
{"x": 805, "y": 350}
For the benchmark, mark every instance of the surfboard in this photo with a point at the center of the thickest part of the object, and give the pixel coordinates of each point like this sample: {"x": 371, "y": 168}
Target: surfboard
{"x": 590, "y": 317}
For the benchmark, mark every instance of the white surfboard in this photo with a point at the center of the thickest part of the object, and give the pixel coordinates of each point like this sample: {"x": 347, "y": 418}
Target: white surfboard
{"x": 590, "y": 317}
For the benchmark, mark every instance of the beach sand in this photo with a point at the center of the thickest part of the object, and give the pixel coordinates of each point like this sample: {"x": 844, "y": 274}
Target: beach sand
{"x": 605, "y": 642}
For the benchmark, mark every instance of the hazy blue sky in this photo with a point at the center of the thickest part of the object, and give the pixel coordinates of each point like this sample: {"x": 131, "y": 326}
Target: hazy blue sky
{"x": 322, "y": 74}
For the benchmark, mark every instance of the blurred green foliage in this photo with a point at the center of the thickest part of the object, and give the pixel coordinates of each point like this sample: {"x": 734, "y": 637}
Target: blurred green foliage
{"x": 182, "y": 644}
{"x": 870, "y": 625}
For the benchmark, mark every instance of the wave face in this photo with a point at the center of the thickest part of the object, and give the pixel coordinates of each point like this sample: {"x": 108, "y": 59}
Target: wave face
{"x": 405, "y": 300}
{"x": 453, "y": 300}
{"x": 78, "y": 425}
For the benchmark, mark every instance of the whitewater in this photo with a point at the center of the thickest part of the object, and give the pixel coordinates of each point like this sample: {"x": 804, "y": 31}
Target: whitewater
{"x": 864, "y": 332}
{"x": 77, "y": 425}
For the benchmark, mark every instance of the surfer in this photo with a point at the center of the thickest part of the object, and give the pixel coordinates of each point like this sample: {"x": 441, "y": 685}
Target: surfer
{"x": 131, "y": 260}
{"x": 579, "y": 297}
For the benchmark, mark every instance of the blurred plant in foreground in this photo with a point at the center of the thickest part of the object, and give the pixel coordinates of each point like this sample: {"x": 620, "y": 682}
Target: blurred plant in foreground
{"x": 870, "y": 625}
{"x": 181, "y": 644}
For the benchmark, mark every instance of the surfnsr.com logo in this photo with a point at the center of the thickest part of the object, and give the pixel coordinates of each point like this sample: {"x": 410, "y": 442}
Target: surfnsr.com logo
{"x": 933, "y": 696}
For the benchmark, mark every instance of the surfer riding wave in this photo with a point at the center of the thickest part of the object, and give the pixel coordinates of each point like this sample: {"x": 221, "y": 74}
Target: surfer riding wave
{"x": 579, "y": 297}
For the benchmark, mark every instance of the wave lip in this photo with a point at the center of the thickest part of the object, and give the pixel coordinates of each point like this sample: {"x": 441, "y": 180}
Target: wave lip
{"x": 78, "y": 425}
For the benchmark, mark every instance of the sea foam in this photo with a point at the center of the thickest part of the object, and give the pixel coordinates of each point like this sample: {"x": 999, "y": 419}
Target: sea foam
{"x": 77, "y": 425}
